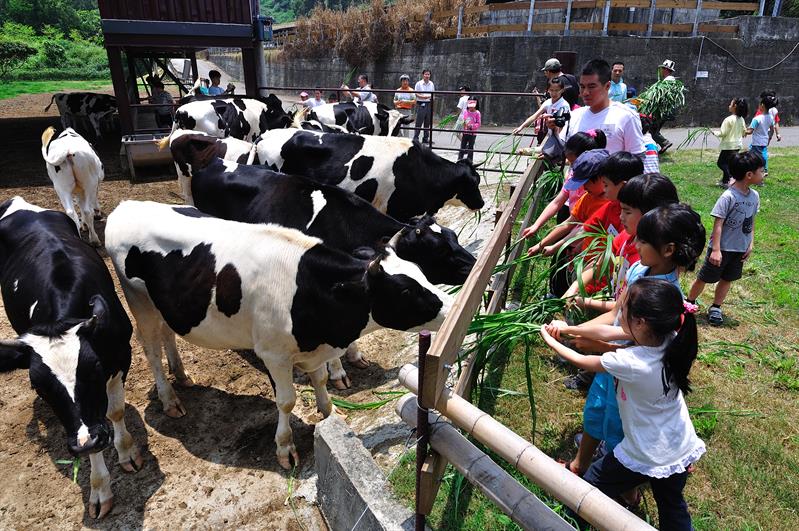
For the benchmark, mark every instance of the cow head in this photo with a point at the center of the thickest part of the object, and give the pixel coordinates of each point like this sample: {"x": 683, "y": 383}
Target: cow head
{"x": 401, "y": 297}
{"x": 435, "y": 249}
{"x": 395, "y": 120}
{"x": 193, "y": 150}
{"x": 66, "y": 372}
{"x": 273, "y": 116}
{"x": 467, "y": 180}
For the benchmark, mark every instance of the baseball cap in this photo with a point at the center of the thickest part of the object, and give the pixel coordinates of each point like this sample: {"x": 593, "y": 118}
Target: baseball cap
{"x": 303, "y": 94}
{"x": 553, "y": 65}
{"x": 669, "y": 65}
{"x": 464, "y": 87}
{"x": 405, "y": 76}
{"x": 587, "y": 166}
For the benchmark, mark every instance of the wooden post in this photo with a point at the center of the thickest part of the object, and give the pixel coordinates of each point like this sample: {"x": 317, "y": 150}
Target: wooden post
{"x": 460, "y": 21}
{"x": 423, "y": 436}
{"x": 761, "y": 8}
{"x": 250, "y": 72}
{"x": 120, "y": 88}
{"x": 530, "y": 18}
{"x": 696, "y": 18}
{"x": 651, "y": 20}
{"x": 605, "y": 17}
{"x": 195, "y": 71}
{"x": 568, "y": 18}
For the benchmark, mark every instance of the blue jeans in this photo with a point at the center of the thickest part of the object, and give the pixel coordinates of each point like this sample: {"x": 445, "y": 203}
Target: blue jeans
{"x": 763, "y": 152}
{"x": 613, "y": 478}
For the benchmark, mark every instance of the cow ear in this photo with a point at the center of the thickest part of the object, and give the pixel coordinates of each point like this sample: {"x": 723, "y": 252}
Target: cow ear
{"x": 405, "y": 120}
{"x": 383, "y": 107}
{"x": 375, "y": 269}
{"x": 364, "y": 253}
{"x": 14, "y": 354}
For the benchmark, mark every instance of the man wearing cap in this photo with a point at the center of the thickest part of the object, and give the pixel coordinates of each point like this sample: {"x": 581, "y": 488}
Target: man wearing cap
{"x": 404, "y": 99}
{"x": 621, "y": 125}
{"x": 665, "y": 73}
{"x": 424, "y": 115}
{"x": 552, "y": 69}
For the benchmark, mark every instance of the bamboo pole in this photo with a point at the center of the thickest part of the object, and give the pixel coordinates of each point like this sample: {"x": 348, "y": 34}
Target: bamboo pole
{"x": 522, "y": 506}
{"x": 584, "y": 499}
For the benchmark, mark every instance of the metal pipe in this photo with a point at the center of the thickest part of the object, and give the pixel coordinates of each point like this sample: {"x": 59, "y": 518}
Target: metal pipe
{"x": 439, "y": 92}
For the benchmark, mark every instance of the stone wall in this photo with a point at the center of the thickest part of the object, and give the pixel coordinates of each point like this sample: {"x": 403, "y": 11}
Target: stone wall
{"x": 511, "y": 64}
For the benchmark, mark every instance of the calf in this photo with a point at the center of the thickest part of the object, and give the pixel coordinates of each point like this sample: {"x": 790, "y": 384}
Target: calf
{"x": 93, "y": 106}
{"x": 364, "y": 118}
{"x": 242, "y": 118}
{"x": 76, "y": 171}
{"x": 399, "y": 177}
{"x": 74, "y": 335}
{"x": 227, "y": 285}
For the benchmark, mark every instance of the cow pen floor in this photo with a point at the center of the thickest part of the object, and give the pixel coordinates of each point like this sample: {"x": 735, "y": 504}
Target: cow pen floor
{"x": 214, "y": 467}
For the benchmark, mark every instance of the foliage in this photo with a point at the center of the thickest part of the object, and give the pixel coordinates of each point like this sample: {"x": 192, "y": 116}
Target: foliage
{"x": 662, "y": 99}
{"x": 12, "y": 89}
{"x": 12, "y": 55}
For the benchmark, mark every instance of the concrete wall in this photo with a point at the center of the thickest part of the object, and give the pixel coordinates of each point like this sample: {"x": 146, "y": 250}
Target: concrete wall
{"x": 510, "y": 64}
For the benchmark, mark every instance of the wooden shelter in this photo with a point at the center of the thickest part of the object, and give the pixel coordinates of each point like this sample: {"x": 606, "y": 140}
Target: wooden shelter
{"x": 153, "y": 31}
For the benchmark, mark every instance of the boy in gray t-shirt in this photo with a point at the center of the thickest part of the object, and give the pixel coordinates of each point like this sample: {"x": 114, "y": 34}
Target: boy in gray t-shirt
{"x": 733, "y": 232}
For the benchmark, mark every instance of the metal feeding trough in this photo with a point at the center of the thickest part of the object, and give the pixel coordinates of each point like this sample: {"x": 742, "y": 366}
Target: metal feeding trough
{"x": 142, "y": 150}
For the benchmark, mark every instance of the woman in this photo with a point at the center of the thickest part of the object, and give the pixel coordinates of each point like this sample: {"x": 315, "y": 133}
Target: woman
{"x": 404, "y": 99}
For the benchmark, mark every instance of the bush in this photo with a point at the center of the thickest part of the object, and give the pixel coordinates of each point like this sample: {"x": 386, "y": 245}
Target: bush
{"x": 53, "y": 54}
{"x": 12, "y": 55}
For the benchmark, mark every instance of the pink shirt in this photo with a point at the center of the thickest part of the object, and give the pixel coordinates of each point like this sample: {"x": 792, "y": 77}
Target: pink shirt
{"x": 471, "y": 120}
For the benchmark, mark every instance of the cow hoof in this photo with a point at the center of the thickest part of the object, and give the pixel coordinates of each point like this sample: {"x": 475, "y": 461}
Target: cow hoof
{"x": 134, "y": 465}
{"x": 175, "y": 411}
{"x": 340, "y": 413}
{"x": 99, "y": 510}
{"x": 342, "y": 383}
{"x": 98, "y": 215}
{"x": 186, "y": 381}
{"x": 285, "y": 460}
{"x": 360, "y": 363}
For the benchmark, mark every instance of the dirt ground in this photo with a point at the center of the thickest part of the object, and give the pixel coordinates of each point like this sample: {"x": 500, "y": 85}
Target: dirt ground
{"x": 214, "y": 467}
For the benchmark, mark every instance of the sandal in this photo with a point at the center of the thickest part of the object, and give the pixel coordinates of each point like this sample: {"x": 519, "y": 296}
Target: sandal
{"x": 630, "y": 504}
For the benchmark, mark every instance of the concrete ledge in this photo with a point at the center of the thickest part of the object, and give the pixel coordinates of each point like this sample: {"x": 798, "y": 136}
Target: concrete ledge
{"x": 350, "y": 483}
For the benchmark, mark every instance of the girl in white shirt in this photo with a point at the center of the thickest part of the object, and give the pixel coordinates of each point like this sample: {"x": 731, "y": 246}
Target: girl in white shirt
{"x": 651, "y": 377}
{"x": 555, "y": 102}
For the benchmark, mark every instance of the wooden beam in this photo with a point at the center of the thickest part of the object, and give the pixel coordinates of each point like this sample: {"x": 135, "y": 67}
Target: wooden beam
{"x": 626, "y": 26}
{"x": 717, "y": 28}
{"x": 732, "y": 6}
{"x": 674, "y": 28}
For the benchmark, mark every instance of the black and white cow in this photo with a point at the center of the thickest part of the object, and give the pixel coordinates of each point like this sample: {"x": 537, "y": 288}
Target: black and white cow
{"x": 398, "y": 176}
{"x": 227, "y": 285}
{"x": 364, "y": 118}
{"x": 242, "y": 118}
{"x": 74, "y": 335}
{"x": 89, "y": 105}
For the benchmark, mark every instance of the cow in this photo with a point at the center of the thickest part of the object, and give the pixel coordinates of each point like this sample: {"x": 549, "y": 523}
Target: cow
{"x": 73, "y": 335}
{"x": 399, "y": 177}
{"x": 76, "y": 171}
{"x": 222, "y": 284}
{"x": 242, "y": 118}
{"x": 367, "y": 118}
{"x": 93, "y": 106}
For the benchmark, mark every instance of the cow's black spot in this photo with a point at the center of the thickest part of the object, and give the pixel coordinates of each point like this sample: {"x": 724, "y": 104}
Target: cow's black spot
{"x": 179, "y": 286}
{"x": 221, "y": 124}
{"x": 185, "y": 121}
{"x": 367, "y": 190}
{"x": 242, "y": 159}
{"x": 360, "y": 167}
{"x": 57, "y": 168}
{"x": 325, "y": 162}
{"x": 238, "y": 102}
{"x": 228, "y": 290}
{"x": 191, "y": 212}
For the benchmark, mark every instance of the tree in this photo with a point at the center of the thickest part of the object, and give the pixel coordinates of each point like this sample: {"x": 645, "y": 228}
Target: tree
{"x": 12, "y": 55}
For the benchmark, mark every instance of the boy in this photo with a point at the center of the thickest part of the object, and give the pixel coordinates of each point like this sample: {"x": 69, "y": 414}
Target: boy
{"x": 733, "y": 232}
{"x": 761, "y": 128}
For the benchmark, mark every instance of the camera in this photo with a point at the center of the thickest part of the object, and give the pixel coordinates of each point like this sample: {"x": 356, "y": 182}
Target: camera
{"x": 561, "y": 116}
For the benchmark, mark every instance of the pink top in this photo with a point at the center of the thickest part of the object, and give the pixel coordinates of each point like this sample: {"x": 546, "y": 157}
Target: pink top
{"x": 573, "y": 195}
{"x": 471, "y": 120}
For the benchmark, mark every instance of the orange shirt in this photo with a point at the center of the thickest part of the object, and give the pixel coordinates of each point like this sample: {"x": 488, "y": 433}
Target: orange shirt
{"x": 586, "y": 205}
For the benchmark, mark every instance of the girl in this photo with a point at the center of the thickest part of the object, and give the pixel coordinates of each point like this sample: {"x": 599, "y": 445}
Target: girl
{"x": 731, "y": 134}
{"x": 471, "y": 123}
{"x": 761, "y": 128}
{"x": 650, "y": 380}
{"x": 669, "y": 240}
{"x": 555, "y": 102}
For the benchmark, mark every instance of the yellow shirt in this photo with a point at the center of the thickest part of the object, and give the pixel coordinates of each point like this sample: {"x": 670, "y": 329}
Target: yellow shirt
{"x": 732, "y": 133}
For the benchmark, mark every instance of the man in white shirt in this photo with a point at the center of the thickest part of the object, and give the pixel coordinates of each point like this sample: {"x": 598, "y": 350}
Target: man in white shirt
{"x": 618, "y": 88}
{"x": 364, "y": 92}
{"x": 424, "y": 114}
{"x": 621, "y": 126}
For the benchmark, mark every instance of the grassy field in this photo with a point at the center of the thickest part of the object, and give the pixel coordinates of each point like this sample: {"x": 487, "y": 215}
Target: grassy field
{"x": 13, "y": 89}
{"x": 746, "y": 380}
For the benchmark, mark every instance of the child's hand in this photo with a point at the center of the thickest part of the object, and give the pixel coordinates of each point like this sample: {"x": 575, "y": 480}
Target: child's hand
{"x": 545, "y": 334}
{"x": 517, "y": 130}
{"x": 746, "y": 254}
{"x": 715, "y": 258}
{"x": 534, "y": 250}
{"x": 528, "y": 232}
{"x": 549, "y": 250}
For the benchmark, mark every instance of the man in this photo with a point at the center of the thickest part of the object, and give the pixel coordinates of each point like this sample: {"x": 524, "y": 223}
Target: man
{"x": 665, "y": 73}
{"x": 424, "y": 115}
{"x": 216, "y": 78}
{"x": 618, "y": 88}
{"x": 552, "y": 69}
{"x": 164, "y": 102}
{"x": 621, "y": 126}
{"x": 364, "y": 92}
{"x": 316, "y": 101}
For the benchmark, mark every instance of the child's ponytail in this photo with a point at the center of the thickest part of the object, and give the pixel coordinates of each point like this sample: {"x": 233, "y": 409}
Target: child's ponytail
{"x": 579, "y": 143}
{"x": 676, "y": 224}
{"x": 660, "y": 304}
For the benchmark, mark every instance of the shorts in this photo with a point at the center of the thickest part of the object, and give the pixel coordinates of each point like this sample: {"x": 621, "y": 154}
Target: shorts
{"x": 601, "y": 419}
{"x": 731, "y": 268}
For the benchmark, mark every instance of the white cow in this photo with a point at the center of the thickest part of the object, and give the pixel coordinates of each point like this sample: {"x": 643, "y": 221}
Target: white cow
{"x": 76, "y": 171}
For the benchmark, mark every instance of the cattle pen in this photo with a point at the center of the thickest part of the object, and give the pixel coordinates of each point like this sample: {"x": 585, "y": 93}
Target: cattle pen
{"x": 429, "y": 391}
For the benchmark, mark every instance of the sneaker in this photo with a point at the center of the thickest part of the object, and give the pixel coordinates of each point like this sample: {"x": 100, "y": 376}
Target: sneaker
{"x": 714, "y": 316}
{"x": 664, "y": 147}
{"x": 579, "y": 381}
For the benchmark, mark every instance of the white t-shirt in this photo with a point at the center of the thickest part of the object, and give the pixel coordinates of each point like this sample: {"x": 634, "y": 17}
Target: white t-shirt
{"x": 621, "y": 126}
{"x": 659, "y": 438}
{"x": 462, "y": 103}
{"x": 424, "y": 89}
{"x": 552, "y": 107}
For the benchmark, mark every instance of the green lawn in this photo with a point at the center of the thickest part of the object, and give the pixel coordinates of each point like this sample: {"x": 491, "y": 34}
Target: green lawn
{"x": 746, "y": 380}
{"x": 13, "y": 89}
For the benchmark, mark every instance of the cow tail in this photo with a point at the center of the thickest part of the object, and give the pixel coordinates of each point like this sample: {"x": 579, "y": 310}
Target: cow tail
{"x": 51, "y": 102}
{"x": 47, "y": 136}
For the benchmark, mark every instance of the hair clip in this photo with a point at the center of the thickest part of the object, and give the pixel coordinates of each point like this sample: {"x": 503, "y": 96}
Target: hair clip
{"x": 591, "y": 133}
{"x": 690, "y": 307}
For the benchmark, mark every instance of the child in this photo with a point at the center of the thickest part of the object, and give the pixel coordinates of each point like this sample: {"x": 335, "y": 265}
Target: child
{"x": 733, "y": 234}
{"x": 554, "y": 103}
{"x": 731, "y": 134}
{"x": 576, "y": 145}
{"x": 668, "y": 239}
{"x": 774, "y": 112}
{"x": 651, "y": 161}
{"x": 659, "y": 442}
{"x": 471, "y": 123}
{"x": 761, "y": 128}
